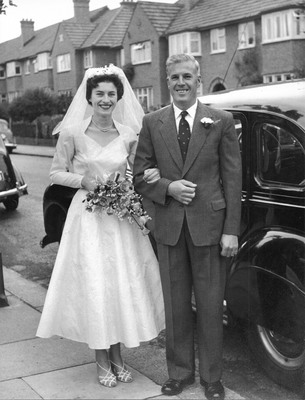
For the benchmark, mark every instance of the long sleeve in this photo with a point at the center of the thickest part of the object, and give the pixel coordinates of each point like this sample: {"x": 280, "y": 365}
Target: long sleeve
{"x": 62, "y": 172}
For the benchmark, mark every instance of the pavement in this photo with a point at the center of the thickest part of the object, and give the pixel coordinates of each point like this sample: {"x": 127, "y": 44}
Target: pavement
{"x": 57, "y": 368}
{"x": 32, "y": 150}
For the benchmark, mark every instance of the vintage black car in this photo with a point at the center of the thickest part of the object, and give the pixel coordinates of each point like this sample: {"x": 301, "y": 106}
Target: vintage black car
{"x": 7, "y": 136}
{"x": 12, "y": 184}
{"x": 266, "y": 279}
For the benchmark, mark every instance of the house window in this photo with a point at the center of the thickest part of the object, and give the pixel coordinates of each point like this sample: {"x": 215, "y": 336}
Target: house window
{"x": 3, "y": 98}
{"x": 42, "y": 62}
{"x": 2, "y": 73}
{"x": 145, "y": 97}
{"x": 283, "y": 25}
{"x": 88, "y": 59}
{"x": 12, "y": 96}
{"x": 186, "y": 42}
{"x": 27, "y": 67}
{"x": 218, "y": 40}
{"x": 278, "y": 77}
{"x": 13, "y": 68}
{"x": 299, "y": 22}
{"x": 61, "y": 37}
{"x": 246, "y": 35}
{"x": 141, "y": 52}
{"x": 63, "y": 63}
{"x": 66, "y": 92}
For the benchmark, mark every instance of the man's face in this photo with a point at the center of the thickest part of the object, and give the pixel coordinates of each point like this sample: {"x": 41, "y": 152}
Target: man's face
{"x": 183, "y": 81}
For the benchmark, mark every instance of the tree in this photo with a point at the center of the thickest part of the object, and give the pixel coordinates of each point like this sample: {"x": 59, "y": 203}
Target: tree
{"x": 248, "y": 68}
{"x": 129, "y": 71}
{"x": 3, "y": 6}
{"x": 32, "y": 104}
{"x": 4, "y": 112}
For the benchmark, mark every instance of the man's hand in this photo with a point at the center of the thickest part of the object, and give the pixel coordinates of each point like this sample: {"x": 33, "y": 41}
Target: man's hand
{"x": 229, "y": 245}
{"x": 151, "y": 175}
{"x": 182, "y": 191}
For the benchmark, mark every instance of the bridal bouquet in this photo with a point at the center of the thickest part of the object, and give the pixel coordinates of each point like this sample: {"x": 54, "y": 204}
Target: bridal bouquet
{"x": 117, "y": 197}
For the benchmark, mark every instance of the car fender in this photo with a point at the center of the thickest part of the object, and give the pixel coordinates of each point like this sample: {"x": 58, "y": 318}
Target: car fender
{"x": 56, "y": 202}
{"x": 266, "y": 282}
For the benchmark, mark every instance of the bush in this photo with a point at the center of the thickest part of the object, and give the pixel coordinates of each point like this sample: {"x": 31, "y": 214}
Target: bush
{"x": 32, "y": 104}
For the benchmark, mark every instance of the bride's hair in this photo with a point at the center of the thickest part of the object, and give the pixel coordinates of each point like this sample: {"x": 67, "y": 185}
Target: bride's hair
{"x": 93, "y": 82}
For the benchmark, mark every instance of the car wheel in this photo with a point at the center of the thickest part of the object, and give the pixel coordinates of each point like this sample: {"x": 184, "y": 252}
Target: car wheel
{"x": 282, "y": 358}
{"x": 11, "y": 203}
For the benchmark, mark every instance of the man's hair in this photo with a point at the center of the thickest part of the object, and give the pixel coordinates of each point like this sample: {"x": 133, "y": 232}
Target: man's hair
{"x": 93, "y": 82}
{"x": 179, "y": 58}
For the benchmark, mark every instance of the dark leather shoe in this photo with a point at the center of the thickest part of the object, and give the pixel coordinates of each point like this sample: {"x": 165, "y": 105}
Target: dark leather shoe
{"x": 213, "y": 391}
{"x": 173, "y": 386}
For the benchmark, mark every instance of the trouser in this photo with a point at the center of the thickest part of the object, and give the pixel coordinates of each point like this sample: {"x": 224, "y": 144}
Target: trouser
{"x": 183, "y": 267}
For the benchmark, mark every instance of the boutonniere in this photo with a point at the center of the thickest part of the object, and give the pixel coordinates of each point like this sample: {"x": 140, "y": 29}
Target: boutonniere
{"x": 208, "y": 122}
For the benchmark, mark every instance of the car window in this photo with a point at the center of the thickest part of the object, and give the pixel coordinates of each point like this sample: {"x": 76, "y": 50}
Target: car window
{"x": 238, "y": 128}
{"x": 281, "y": 157}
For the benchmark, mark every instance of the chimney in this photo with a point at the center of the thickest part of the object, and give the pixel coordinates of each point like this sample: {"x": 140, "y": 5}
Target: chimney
{"x": 27, "y": 30}
{"x": 81, "y": 11}
{"x": 188, "y": 4}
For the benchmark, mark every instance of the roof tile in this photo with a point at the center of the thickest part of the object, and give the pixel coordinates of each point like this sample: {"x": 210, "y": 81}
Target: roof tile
{"x": 208, "y": 13}
{"x": 160, "y": 14}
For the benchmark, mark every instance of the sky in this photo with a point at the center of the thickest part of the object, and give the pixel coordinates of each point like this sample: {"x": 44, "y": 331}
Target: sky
{"x": 44, "y": 13}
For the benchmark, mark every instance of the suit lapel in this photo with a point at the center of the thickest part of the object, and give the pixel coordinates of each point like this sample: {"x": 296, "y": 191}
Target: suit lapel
{"x": 168, "y": 132}
{"x": 198, "y": 137}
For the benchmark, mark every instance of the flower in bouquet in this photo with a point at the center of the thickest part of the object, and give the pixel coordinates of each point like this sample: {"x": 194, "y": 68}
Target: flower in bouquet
{"x": 117, "y": 197}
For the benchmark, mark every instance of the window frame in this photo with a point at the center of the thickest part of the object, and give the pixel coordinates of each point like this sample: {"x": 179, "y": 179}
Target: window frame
{"x": 283, "y": 25}
{"x": 243, "y": 30}
{"x": 138, "y": 56}
{"x": 13, "y": 68}
{"x": 63, "y": 62}
{"x": 141, "y": 96}
{"x": 88, "y": 59}
{"x": 216, "y": 36}
{"x": 182, "y": 43}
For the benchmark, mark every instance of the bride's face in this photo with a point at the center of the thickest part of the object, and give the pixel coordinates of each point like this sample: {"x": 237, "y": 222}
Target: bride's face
{"x": 104, "y": 98}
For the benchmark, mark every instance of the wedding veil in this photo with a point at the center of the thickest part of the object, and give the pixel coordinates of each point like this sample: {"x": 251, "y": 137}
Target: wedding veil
{"x": 128, "y": 110}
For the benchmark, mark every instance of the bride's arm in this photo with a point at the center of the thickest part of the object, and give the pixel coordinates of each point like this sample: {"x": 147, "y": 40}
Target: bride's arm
{"x": 61, "y": 171}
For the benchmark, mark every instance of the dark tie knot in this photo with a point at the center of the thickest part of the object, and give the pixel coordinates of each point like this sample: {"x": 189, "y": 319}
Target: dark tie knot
{"x": 183, "y": 114}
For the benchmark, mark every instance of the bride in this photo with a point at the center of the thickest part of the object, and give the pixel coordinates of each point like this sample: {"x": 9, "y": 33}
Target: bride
{"x": 105, "y": 288}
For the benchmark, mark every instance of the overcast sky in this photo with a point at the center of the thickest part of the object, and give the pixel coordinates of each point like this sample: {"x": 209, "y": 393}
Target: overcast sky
{"x": 44, "y": 13}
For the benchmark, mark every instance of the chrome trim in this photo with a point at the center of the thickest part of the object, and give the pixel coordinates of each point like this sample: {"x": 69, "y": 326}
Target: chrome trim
{"x": 7, "y": 193}
{"x": 22, "y": 188}
{"x": 276, "y": 203}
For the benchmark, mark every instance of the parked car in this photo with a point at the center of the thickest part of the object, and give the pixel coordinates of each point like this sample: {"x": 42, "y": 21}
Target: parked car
{"x": 12, "y": 184}
{"x": 266, "y": 279}
{"x": 7, "y": 136}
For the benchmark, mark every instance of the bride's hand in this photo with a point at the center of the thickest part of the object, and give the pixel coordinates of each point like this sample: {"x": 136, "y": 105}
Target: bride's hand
{"x": 151, "y": 175}
{"x": 88, "y": 183}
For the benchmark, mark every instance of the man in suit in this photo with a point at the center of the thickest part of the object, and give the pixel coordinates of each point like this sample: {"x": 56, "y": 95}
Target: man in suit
{"x": 197, "y": 218}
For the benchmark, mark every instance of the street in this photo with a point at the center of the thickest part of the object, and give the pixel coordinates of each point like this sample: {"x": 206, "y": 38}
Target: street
{"x": 20, "y": 234}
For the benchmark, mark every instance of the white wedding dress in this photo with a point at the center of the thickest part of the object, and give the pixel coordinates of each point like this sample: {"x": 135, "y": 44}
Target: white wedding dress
{"x": 105, "y": 287}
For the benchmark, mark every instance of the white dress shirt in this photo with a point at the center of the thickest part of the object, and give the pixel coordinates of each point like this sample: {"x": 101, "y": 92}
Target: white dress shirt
{"x": 190, "y": 116}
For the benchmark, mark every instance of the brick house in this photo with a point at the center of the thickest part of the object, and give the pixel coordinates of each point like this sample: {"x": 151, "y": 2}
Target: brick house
{"x": 56, "y": 57}
{"x": 236, "y": 42}
{"x": 146, "y": 48}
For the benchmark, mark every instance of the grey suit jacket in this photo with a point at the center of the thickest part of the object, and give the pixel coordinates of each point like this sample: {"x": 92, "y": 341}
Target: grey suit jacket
{"x": 213, "y": 163}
